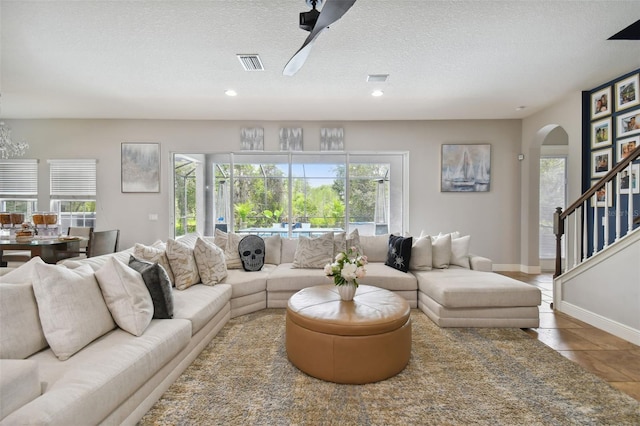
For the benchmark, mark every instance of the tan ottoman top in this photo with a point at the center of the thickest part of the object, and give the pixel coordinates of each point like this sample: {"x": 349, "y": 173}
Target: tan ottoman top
{"x": 373, "y": 311}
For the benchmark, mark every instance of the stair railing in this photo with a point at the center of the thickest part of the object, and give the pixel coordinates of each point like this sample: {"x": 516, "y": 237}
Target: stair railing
{"x": 574, "y": 218}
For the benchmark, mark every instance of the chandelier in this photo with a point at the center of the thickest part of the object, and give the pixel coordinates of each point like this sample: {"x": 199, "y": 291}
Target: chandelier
{"x": 9, "y": 148}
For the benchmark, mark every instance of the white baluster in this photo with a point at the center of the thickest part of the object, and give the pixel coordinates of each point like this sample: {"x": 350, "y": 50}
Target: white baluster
{"x": 595, "y": 225}
{"x": 605, "y": 218}
{"x": 618, "y": 221}
{"x": 585, "y": 236}
{"x": 630, "y": 203}
{"x": 576, "y": 233}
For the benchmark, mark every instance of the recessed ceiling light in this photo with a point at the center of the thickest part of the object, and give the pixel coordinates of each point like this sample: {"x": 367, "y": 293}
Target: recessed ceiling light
{"x": 520, "y": 108}
{"x": 377, "y": 93}
{"x": 230, "y": 92}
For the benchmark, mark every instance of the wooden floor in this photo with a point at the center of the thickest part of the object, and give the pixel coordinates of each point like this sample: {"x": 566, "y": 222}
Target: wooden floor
{"x": 615, "y": 360}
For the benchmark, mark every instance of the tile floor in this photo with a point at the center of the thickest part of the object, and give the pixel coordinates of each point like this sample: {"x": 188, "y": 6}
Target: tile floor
{"x": 615, "y": 360}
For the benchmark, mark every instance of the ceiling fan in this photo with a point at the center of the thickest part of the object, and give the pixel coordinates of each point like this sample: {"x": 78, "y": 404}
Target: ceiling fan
{"x": 316, "y": 22}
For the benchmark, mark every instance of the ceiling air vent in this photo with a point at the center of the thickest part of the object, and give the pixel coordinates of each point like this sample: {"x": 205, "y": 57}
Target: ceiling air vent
{"x": 251, "y": 62}
{"x": 377, "y": 78}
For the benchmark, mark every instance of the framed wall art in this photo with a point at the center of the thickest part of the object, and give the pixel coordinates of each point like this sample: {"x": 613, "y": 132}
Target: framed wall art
{"x": 465, "y": 168}
{"x": 601, "y": 133}
{"x": 140, "y": 167}
{"x": 332, "y": 139}
{"x": 625, "y": 146}
{"x": 629, "y": 124}
{"x": 252, "y": 139}
{"x": 627, "y": 92}
{"x": 603, "y": 196}
{"x": 600, "y": 105}
{"x": 600, "y": 162}
{"x": 630, "y": 182}
{"x": 291, "y": 139}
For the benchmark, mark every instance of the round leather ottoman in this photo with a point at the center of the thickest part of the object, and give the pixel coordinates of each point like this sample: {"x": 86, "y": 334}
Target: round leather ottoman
{"x": 363, "y": 341}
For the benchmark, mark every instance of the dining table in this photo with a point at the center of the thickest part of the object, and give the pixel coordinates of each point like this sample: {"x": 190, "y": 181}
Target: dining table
{"x": 49, "y": 249}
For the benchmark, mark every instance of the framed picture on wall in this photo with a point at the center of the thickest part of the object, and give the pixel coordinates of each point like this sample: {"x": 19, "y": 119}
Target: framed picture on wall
{"x": 291, "y": 139}
{"x": 625, "y": 146}
{"x": 630, "y": 181}
{"x": 603, "y": 196}
{"x": 332, "y": 139}
{"x": 629, "y": 123}
{"x": 465, "y": 168}
{"x": 600, "y": 162}
{"x": 140, "y": 167}
{"x": 600, "y": 105}
{"x": 627, "y": 92}
{"x": 252, "y": 139}
{"x": 601, "y": 133}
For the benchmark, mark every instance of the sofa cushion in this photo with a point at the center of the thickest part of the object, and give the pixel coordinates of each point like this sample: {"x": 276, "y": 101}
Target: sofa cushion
{"x": 399, "y": 254}
{"x": 288, "y": 250}
{"x": 72, "y": 309}
{"x": 460, "y": 251}
{"x": 200, "y": 304}
{"x": 421, "y": 254}
{"x": 210, "y": 262}
{"x": 86, "y": 388}
{"x": 375, "y": 247}
{"x": 154, "y": 254}
{"x": 243, "y": 283}
{"x": 441, "y": 251}
{"x": 272, "y": 249}
{"x": 19, "y": 384}
{"x": 157, "y": 281}
{"x": 23, "y": 273}
{"x": 314, "y": 252}
{"x": 126, "y": 295}
{"x": 183, "y": 264}
{"x": 464, "y": 288}
{"x": 380, "y": 275}
{"x": 342, "y": 242}
{"x": 20, "y": 331}
{"x": 287, "y": 278}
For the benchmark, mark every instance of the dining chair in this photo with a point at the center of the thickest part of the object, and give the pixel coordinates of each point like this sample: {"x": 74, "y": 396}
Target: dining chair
{"x": 85, "y": 233}
{"x": 103, "y": 242}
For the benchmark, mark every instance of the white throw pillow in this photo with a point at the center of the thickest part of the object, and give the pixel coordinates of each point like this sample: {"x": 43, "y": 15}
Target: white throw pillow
{"x": 460, "y": 251}
{"x": 23, "y": 273}
{"x": 228, "y": 242}
{"x": 210, "y": 261}
{"x": 127, "y": 296}
{"x": 314, "y": 252}
{"x": 421, "y": 254}
{"x": 72, "y": 310}
{"x": 441, "y": 251}
{"x": 272, "y": 246}
{"x": 342, "y": 242}
{"x": 183, "y": 264}
{"x": 154, "y": 254}
{"x": 20, "y": 330}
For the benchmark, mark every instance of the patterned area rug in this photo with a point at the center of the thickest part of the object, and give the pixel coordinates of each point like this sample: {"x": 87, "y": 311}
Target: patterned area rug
{"x": 455, "y": 377}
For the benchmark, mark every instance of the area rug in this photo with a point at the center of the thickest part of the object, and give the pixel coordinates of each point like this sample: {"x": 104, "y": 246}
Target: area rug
{"x": 480, "y": 376}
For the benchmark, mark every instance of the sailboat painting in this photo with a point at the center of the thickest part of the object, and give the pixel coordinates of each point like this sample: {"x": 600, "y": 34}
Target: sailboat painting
{"x": 466, "y": 168}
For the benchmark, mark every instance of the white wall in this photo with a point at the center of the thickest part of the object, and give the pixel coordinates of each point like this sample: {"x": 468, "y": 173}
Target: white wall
{"x": 493, "y": 219}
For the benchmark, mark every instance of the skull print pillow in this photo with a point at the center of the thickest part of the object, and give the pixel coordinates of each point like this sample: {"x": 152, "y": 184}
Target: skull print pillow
{"x": 251, "y": 250}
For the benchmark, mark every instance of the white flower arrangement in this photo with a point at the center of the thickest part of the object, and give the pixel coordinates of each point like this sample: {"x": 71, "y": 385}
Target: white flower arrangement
{"x": 348, "y": 266}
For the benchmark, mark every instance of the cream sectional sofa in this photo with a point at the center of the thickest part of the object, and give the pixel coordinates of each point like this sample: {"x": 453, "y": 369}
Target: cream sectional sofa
{"x": 116, "y": 378}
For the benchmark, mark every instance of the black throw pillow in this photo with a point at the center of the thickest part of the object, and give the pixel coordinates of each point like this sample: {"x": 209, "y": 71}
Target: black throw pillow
{"x": 159, "y": 285}
{"x": 399, "y": 252}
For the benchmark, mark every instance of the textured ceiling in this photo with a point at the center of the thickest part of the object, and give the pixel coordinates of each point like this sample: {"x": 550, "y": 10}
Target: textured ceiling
{"x": 174, "y": 59}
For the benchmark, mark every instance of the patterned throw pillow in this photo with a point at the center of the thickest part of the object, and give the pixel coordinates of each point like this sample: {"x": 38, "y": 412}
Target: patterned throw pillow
{"x": 154, "y": 254}
{"x": 342, "y": 241}
{"x": 314, "y": 252}
{"x": 210, "y": 262}
{"x": 183, "y": 264}
{"x": 229, "y": 242}
{"x": 399, "y": 254}
{"x": 157, "y": 281}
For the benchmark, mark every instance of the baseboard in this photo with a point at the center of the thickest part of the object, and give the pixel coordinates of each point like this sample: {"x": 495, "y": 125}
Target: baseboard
{"x": 516, "y": 268}
{"x": 620, "y": 330}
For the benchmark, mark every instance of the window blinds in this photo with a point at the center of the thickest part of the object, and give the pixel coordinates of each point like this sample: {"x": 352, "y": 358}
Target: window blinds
{"x": 72, "y": 179}
{"x": 18, "y": 178}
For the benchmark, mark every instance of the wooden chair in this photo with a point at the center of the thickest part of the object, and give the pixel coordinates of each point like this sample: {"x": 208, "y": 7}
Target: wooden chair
{"x": 103, "y": 242}
{"x": 84, "y": 232}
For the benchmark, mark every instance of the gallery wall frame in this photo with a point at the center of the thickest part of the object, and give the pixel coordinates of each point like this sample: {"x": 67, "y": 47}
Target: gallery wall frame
{"x": 465, "y": 168}
{"x": 600, "y": 162}
{"x": 600, "y": 103}
{"x": 601, "y": 133}
{"x": 630, "y": 181}
{"x": 140, "y": 167}
{"x": 625, "y": 146}
{"x": 629, "y": 123}
{"x": 627, "y": 92}
{"x": 603, "y": 196}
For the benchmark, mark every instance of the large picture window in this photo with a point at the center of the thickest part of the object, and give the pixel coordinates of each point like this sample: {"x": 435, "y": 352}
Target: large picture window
{"x": 289, "y": 193}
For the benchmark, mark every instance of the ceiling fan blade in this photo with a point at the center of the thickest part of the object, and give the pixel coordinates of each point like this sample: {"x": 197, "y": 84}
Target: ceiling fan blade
{"x": 331, "y": 12}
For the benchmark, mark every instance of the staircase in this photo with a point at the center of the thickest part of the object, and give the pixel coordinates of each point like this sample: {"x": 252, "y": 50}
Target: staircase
{"x": 601, "y": 283}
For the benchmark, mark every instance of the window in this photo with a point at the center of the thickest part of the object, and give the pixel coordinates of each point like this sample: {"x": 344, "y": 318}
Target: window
{"x": 288, "y": 193}
{"x": 19, "y": 186}
{"x": 553, "y": 170}
{"x": 73, "y": 192}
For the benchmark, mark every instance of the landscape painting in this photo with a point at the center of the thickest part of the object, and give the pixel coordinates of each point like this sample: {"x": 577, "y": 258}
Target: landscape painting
{"x": 140, "y": 163}
{"x": 466, "y": 168}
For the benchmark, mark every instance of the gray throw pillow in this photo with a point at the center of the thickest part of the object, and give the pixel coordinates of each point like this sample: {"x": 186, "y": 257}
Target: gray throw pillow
{"x": 159, "y": 285}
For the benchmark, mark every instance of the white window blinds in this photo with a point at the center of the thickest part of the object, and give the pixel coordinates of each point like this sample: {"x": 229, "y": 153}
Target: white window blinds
{"x": 18, "y": 178}
{"x": 72, "y": 179}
